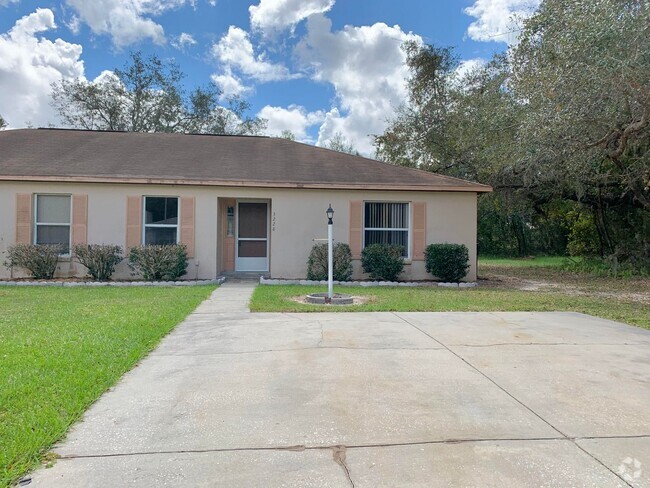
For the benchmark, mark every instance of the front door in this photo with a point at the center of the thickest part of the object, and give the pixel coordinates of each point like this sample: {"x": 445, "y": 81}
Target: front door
{"x": 252, "y": 236}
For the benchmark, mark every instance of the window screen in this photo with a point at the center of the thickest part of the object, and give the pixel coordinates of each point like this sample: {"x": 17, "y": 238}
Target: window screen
{"x": 387, "y": 223}
{"x": 160, "y": 220}
{"x": 53, "y": 220}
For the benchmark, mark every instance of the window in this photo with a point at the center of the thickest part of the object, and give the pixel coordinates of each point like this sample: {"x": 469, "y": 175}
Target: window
{"x": 231, "y": 222}
{"x": 386, "y": 223}
{"x": 160, "y": 220}
{"x": 52, "y": 222}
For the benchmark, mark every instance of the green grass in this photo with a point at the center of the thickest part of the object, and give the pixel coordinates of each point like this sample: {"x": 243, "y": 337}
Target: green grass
{"x": 61, "y": 348}
{"x": 280, "y": 299}
{"x": 538, "y": 261}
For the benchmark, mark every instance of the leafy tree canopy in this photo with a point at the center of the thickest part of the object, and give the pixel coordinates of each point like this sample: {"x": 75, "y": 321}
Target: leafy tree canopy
{"x": 148, "y": 96}
{"x": 559, "y": 126}
{"x": 339, "y": 143}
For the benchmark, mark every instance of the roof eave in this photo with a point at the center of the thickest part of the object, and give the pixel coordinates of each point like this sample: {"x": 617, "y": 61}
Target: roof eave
{"x": 471, "y": 187}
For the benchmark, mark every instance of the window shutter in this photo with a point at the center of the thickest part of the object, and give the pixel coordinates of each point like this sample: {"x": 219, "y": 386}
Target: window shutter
{"x": 23, "y": 218}
{"x": 356, "y": 228}
{"x": 187, "y": 224}
{"x": 79, "y": 219}
{"x": 133, "y": 222}
{"x": 419, "y": 230}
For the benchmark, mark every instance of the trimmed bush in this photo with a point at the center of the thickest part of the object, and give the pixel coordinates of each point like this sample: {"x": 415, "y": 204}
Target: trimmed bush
{"x": 317, "y": 262}
{"x": 447, "y": 262}
{"x": 39, "y": 259}
{"x": 383, "y": 261}
{"x": 159, "y": 262}
{"x": 100, "y": 259}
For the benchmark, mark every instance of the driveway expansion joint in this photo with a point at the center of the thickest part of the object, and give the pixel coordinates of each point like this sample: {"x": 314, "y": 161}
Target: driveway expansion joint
{"x": 313, "y": 348}
{"x": 301, "y": 447}
{"x": 497, "y": 344}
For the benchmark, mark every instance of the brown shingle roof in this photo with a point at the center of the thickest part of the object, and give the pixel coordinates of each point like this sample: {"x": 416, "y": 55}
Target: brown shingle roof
{"x": 78, "y": 155}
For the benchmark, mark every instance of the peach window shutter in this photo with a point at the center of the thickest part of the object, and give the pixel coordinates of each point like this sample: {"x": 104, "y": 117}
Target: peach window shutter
{"x": 187, "y": 224}
{"x": 133, "y": 222}
{"x": 419, "y": 230}
{"x": 79, "y": 219}
{"x": 23, "y": 218}
{"x": 356, "y": 228}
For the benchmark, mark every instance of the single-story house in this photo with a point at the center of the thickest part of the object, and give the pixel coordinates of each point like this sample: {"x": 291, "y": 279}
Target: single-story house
{"x": 239, "y": 203}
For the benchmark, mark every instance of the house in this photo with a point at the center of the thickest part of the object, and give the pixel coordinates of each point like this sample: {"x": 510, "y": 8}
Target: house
{"x": 239, "y": 203}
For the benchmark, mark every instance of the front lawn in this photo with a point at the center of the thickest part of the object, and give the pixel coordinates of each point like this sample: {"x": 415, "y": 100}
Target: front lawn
{"x": 61, "y": 348}
{"x": 434, "y": 299}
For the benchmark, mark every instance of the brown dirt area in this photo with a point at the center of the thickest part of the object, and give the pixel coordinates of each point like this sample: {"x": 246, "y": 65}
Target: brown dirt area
{"x": 555, "y": 280}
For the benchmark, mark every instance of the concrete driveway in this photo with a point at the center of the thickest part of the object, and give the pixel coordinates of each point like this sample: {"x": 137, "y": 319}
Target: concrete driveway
{"x": 373, "y": 400}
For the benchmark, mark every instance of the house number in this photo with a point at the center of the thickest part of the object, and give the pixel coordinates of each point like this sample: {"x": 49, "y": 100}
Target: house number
{"x": 273, "y": 223}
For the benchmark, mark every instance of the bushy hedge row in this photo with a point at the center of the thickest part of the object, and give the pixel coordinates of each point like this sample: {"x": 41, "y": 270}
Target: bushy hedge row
{"x": 100, "y": 259}
{"x": 317, "y": 262}
{"x": 383, "y": 261}
{"x": 168, "y": 262}
{"x": 447, "y": 262}
{"x": 155, "y": 263}
{"x": 39, "y": 259}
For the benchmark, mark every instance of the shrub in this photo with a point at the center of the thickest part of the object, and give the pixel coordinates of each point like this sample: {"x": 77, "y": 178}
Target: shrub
{"x": 39, "y": 259}
{"x": 383, "y": 261}
{"x": 159, "y": 262}
{"x": 448, "y": 262}
{"x": 100, "y": 259}
{"x": 317, "y": 262}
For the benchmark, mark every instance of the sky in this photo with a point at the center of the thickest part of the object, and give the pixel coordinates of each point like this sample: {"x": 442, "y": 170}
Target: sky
{"x": 314, "y": 67}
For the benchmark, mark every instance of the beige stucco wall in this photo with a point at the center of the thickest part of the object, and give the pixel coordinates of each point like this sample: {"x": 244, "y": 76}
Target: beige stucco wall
{"x": 298, "y": 216}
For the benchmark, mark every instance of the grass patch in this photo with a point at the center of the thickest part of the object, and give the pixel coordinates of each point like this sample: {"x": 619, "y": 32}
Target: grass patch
{"x": 397, "y": 299}
{"x": 529, "y": 262}
{"x": 61, "y": 348}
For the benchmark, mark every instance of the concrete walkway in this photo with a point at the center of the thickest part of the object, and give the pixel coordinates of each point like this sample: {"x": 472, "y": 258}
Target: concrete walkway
{"x": 233, "y": 399}
{"x": 233, "y": 296}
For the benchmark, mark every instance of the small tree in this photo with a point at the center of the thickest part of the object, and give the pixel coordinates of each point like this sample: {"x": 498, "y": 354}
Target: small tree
{"x": 448, "y": 262}
{"x": 39, "y": 259}
{"x": 100, "y": 259}
{"x": 159, "y": 262}
{"x": 339, "y": 143}
{"x": 383, "y": 261}
{"x": 317, "y": 262}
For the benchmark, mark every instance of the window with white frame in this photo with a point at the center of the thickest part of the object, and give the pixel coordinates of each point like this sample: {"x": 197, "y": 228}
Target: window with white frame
{"x": 386, "y": 223}
{"x": 160, "y": 220}
{"x": 52, "y": 220}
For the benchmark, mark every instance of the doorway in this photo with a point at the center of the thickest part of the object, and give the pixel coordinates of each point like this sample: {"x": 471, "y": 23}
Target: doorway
{"x": 252, "y": 246}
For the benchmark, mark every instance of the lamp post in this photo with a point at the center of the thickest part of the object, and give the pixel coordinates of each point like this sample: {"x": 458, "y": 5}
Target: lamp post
{"x": 330, "y": 254}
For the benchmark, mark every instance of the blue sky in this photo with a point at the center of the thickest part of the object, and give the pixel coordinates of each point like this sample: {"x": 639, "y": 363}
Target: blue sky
{"x": 315, "y": 67}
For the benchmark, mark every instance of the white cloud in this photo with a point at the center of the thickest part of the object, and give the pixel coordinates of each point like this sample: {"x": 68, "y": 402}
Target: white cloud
{"x": 235, "y": 51}
{"x": 273, "y": 16}
{"x": 294, "y": 118}
{"x": 230, "y": 85}
{"x": 467, "y": 66}
{"x": 126, "y": 21}
{"x": 498, "y": 20}
{"x": 183, "y": 41}
{"x": 5, "y": 3}
{"x": 29, "y": 64}
{"x": 366, "y": 65}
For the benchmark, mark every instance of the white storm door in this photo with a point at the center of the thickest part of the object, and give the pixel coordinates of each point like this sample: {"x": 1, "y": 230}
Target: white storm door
{"x": 252, "y": 249}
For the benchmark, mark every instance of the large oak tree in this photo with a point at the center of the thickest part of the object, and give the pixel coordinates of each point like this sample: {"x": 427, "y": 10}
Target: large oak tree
{"x": 148, "y": 95}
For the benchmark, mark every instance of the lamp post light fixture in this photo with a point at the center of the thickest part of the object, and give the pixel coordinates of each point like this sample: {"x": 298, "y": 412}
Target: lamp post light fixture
{"x": 330, "y": 254}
